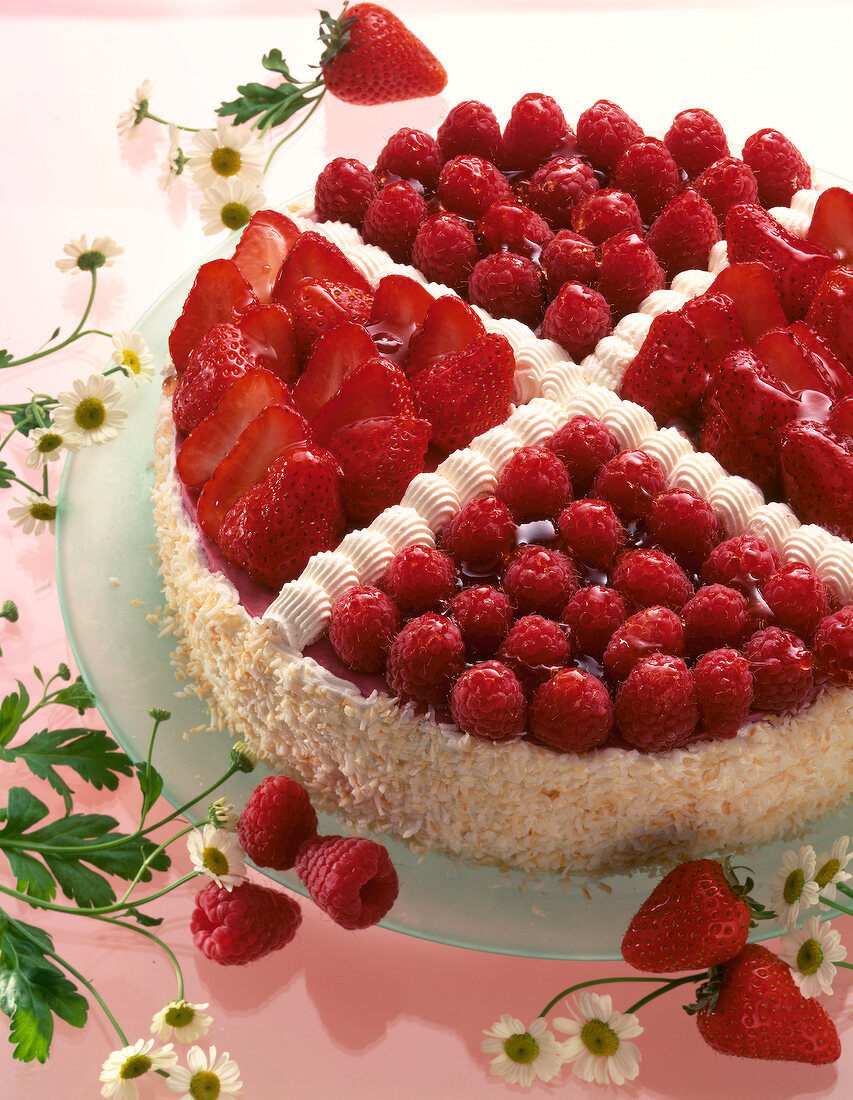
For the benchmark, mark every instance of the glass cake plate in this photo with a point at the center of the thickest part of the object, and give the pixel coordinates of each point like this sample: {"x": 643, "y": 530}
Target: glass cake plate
{"x": 110, "y": 593}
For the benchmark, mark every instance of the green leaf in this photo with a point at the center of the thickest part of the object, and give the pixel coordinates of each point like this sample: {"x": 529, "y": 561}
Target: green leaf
{"x": 12, "y": 710}
{"x": 75, "y": 695}
{"x": 32, "y": 877}
{"x": 7, "y": 474}
{"x": 9, "y": 611}
{"x": 23, "y": 809}
{"x": 150, "y": 783}
{"x": 271, "y": 106}
{"x": 143, "y": 918}
{"x": 6, "y": 358}
{"x": 80, "y": 883}
{"x": 92, "y": 754}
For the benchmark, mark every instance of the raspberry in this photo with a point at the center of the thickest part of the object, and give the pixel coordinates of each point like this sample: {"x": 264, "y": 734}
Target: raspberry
{"x": 480, "y": 533}
{"x": 696, "y": 139}
{"x": 277, "y": 818}
{"x": 350, "y": 878}
{"x": 779, "y": 166}
{"x": 508, "y": 286}
{"x": 723, "y": 690}
{"x": 605, "y": 213}
{"x": 238, "y": 926}
{"x": 716, "y": 616}
{"x": 583, "y": 444}
{"x": 656, "y": 706}
{"x": 647, "y": 171}
{"x": 469, "y": 185}
{"x": 533, "y": 649}
{"x": 592, "y": 532}
{"x": 652, "y": 630}
{"x": 571, "y": 712}
{"x": 725, "y": 183}
{"x": 798, "y": 599}
{"x": 558, "y": 186}
{"x": 514, "y": 227}
{"x": 645, "y": 578}
{"x": 487, "y": 701}
{"x": 536, "y": 128}
{"x": 470, "y": 127}
{"x": 392, "y": 220}
{"x": 684, "y": 233}
{"x": 540, "y": 581}
{"x": 445, "y": 250}
{"x": 744, "y": 562}
{"x": 593, "y": 615}
{"x": 425, "y": 658}
{"x": 782, "y": 668}
{"x": 628, "y": 272}
{"x": 344, "y": 190}
{"x": 363, "y": 625}
{"x": 630, "y": 481}
{"x": 534, "y": 484}
{"x": 484, "y": 616}
{"x": 569, "y": 257}
{"x": 684, "y": 524}
{"x": 576, "y": 319}
{"x": 411, "y": 155}
{"x": 419, "y": 578}
{"x": 833, "y": 647}
{"x": 604, "y": 133}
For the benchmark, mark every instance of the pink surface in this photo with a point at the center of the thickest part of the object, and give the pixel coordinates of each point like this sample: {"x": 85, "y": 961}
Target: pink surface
{"x": 372, "y": 1014}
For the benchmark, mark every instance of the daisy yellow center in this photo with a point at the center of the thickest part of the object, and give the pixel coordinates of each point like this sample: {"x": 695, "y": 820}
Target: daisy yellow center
{"x": 235, "y": 215}
{"x": 205, "y": 1085}
{"x": 521, "y": 1048}
{"x": 134, "y": 1066}
{"x": 828, "y": 872}
{"x": 49, "y": 442}
{"x": 90, "y": 413}
{"x": 214, "y": 861}
{"x": 42, "y": 510}
{"x": 225, "y": 161}
{"x": 599, "y": 1038}
{"x": 793, "y": 887}
{"x": 180, "y": 1015}
{"x": 131, "y": 360}
{"x": 810, "y": 957}
{"x": 88, "y": 261}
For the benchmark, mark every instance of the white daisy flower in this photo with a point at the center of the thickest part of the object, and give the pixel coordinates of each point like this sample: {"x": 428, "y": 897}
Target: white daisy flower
{"x": 217, "y": 854}
{"x": 794, "y": 888}
{"x": 810, "y": 952}
{"x": 187, "y": 1022}
{"x": 522, "y": 1054}
{"x": 223, "y": 815}
{"x": 34, "y": 515}
{"x": 830, "y": 869}
{"x": 228, "y": 152}
{"x": 81, "y": 256}
{"x": 229, "y": 204}
{"x": 48, "y": 445}
{"x": 173, "y": 166}
{"x": 120, "y": 1070}
{"x": 205, "y": 1076}
{"x": 89, "y": 410}
{"x": 130, "y": 119}
{"x": 132, "y": 355}
{"x": 598, "y": 1043}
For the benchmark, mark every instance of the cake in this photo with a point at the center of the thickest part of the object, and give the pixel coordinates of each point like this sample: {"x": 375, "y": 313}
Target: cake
{"x": 395, "y": 453}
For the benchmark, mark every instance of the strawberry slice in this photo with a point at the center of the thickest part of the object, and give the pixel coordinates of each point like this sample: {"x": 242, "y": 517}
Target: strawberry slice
{"x": 335, "y": 354}
{"x": 314, "y": 257}
{"x": 717, "y": 321}
{"x": 274, "y": 432}
{"x": 294, "y": 512}
{"x": 268, "y": 331}
{"x": 400, "y": 305}
{"x": 317, "y": 306}
{"x": 842, "y": 378}
{"x": 373, "y": 388}
{"x": 220, "y": 357}
{"x": 219, "y": 294}
{"x": 752, "y": 288}
{"x": 206, "y": 446}
{"x": 797, "y": 266}
{"x": 817, "y": 474}
{"x": 832, "y": 223}
{"x": 379, "y": 456}
{"x": 466, "y": 392}
{"x": 831, "y": 313}
{"x": 262, "y": 248}
{"x": 449, "y": 325}
{"x": 669, "y": 373}
{"x": 841, "y": 417}
{"x": 794, "y": 364}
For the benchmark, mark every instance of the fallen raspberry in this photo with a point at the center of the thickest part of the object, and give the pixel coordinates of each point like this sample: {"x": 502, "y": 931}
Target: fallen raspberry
{"x": 656, "y": 706}
{"x": 716, "y": 616}
{"x": 569, "y": 257}
{"x": 685, "y": 525}
{"x": 470, "y": 127}
{"x": 647, "y": 578}
{"x": 480, "y": 533}
{"x": 344, "y": 190}
{"x": 605, "y": 213}
{"x": 392, "y": 219}
{"x": 411, "y": 155}
{"x": 782, "y": 670}
{"x": 558, "y": 186}
{"x": 540, "y": 581}
{"x": 577, "y": 319}
{"x": 725, "y": 183}
{"x": 798, "y": 599}
{"x": 628, "y": 272}
{"x": 534, "y": 648}
{"x": 419, "y": 578}
{"x": 364, "y": 623}
{"x": 744, "y": 562}
{"x": 507, "y": 285}
{"x": 684, "y": 233}
{"x": 630, "y": 481}
{"x": 425, "y": 658}
{"x": 592, "y": 532}
{"x": 469, "y": 185}
{"x": 238, "y": 926}
{"x": 696, "y": 139}
{"x": 445, "y": 250}
{"x": 583, "y": 444}
{"x": 515, "y": 228}
{"x": 604, "y": 133}
{"x": 647, "y": 171}
{"x": 833, "y": 646}
{"x": 535, "y": 130}
{"x": 487, "y": 701}
{"x": 724, "y": 691}
{"x": 779, "y": 166}
{"x": 351, "y": 879}
{"x": 277, "y": 818}
{"x": 571, "y": 712}
{"x": 593, "y": 615}
{"x": 484, "y": 615}
{"x": 534, "y": 484}
{"x": 652, "y": 630}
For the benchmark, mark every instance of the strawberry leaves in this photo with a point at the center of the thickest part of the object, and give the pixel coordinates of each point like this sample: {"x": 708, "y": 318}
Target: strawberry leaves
{"x": 271, "y": 107}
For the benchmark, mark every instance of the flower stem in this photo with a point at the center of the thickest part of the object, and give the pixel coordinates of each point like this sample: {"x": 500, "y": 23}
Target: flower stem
{"x": 315, "y": 104}
{"x": 76, "y": 334}
{"x": 835, "y": 905}
{"x": 165, "y": 122}
{"x": 155, "y": 939}
{"x": 844, "y": 889}
{"x": 41, "y": 903}
{"x": 188, "y": 805}
{"x": 152, "y": 855}
{"x": 670, "y": 983}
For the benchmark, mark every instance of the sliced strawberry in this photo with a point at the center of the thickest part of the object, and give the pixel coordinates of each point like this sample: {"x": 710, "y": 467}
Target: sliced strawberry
{"x": 817, "y": 475}
{"x": 262, "y": 248}
{"x": 220, "y": 357}
{"x": 669, "y": 373}
{"x": 219, "y": 294}
{"x": 317, "y": 306}
{"x": 400, "y": 305}
{"x": 268, "y": 331}
{"x": 206, "y": 446}
{"x": 792, "y": 362}
{"x": 797, "y": 266}
{"x": 373, "y": 388}
{"x": 314, "y": 257}
{"x": 335, "y": 354}
{"x": 832, "y": 223}
{"x": 274, "y": 431}
{"x": 717, "y": 321}
{"x": 842, "y": 378}
{"x": 752, "y": 288}
{"x": 449, "y": 325}
{"x": 293, "y": 512}
{"x": 831, "y": 313}
{"x": 466, "y": 392}
{"x": 841, "y": 417}
{"x": 379, "y": 456}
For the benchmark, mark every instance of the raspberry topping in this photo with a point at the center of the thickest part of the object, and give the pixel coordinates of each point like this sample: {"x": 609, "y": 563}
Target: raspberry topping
{"x": 558, "y": 186}
{"x": 782, "y": 670}
{"x": 593, "y": 615}
{"x": 798, "y": 599}
{"x": 630, "y": 481}
{"x": 484, "y": 616}
{"x": 480, "y": 533}
{"x": 605, "y": 213}
{"x": 533, "y": 649}
{"x": 445, "y": 250}
{"x": 487, "y": 701}
{"x": 696, "y": 139}
{"x": 652, "y": 630}
{"x": 516, "y": 228}
{"x": 647, "y": 171}
{"x": 744, "y": 562}
{"x": 344, "y": 190}
{"x": 469, "y": 185}
{"x": 833, "y": 646}
{"x": 411, "y": 155}
{"x": 392, "y": 219}
{"x": 726, "y": 182}
{"x": 508, "y": 285}
{"x": 470, "y": 127}
{"x": 277, "y": 818}
{"x": 569, "y": 257}
{"x": 571, "y": 712}
{"x": 716, "y": 616}
{"x": 536, "y": 128}
{"x": 684, "y": 524}
{"x": 350, "y": 878}
{"x": 628, "y": 272}
{"x": 604, "y": 133}
{"x": 684, "y": 233}
{"x": 419, "y": 578}
{"x": 540, "y": 581}
{"x": 724, "y": 691}
{"x": 779, "y": 166}
{"x": 645, "y": 578}
{"x": 583, "y": 444}
{"x": 425, "y": 658}
{"x": 577, "y": 319}
{"x": 656, "y": 706}
{"x": 534, "y": 484}
{"x": 238, "y": 926}
{"x": 592, "y": 532}
{"x": 363, "y": 625}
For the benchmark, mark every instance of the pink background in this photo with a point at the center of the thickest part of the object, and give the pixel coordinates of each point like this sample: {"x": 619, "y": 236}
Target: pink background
{"x": 373, "y": 1014}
